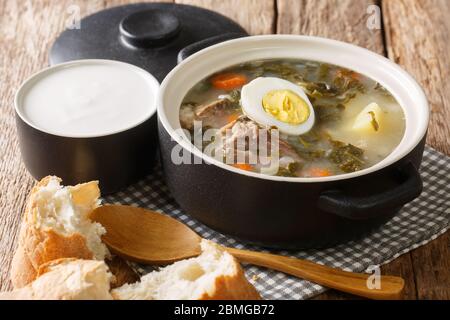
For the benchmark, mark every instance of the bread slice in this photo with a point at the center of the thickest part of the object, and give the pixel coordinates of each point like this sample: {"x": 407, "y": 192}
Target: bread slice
{"x": 214, "y": 275}
{"x": 56, "y": 225}
{"x": 66, "y": 279}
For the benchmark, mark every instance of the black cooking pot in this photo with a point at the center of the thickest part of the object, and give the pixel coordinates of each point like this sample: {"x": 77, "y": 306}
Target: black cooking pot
{"x": 290, "y": 212}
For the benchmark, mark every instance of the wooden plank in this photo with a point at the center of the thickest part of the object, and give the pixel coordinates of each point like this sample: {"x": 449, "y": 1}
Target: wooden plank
{"x": 344, "y": 20}
{"x": 255, "y": 16}
{"x": 403, "y": 267}
{"x": 27, "y": 32}
{"x": 411, "y": 27}
{"x": 417, "y": 38}
{"x": 114, "y": 3}
{"x": 335, "y": 295}
{"x": 431, "y": 265}
{"x": 25, "y": 37}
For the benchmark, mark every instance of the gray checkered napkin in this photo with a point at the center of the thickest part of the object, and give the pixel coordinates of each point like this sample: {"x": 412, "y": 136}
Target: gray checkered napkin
{"x": 417, "y": 223}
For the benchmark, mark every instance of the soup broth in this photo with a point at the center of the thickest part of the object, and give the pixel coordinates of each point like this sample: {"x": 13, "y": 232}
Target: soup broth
{"x": 331, "y": 120}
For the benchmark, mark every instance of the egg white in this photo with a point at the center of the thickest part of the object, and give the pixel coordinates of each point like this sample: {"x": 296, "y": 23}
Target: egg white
{"x": 251, "y": 101}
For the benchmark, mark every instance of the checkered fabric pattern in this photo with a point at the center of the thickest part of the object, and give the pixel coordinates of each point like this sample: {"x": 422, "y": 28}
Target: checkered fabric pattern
{"x": 417, "y": 223}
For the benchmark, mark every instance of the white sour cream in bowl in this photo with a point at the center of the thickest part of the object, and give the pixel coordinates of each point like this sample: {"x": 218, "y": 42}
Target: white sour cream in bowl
{"x": 89, "y": 120}
{"x": 88, "y": 98}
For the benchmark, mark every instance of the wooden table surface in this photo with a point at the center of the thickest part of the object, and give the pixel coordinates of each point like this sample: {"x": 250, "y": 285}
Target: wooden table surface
{"x": 413, "y": 33}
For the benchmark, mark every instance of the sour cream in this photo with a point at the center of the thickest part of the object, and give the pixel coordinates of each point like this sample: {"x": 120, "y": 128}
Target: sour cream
{"x": 88, "y": 98}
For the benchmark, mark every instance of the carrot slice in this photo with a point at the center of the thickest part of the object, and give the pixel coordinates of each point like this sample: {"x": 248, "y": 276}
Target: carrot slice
{"x": 318, "y": 172}
{"x": 232, "y": 117}
{"x": 228, "y": 81}
{"x": 348, "y": 73}
{"x": 243, "y": 166}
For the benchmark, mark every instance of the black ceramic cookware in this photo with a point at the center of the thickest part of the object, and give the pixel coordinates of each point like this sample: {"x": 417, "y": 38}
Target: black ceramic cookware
{"x": 148, "y": 35}
{"x": 291, "y": 212}
{"x": 114, "y": 157}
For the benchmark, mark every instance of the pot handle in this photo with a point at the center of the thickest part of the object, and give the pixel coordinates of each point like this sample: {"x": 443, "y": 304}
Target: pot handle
{"x": 202, "y": 44}
{"x": 359, "y": 208}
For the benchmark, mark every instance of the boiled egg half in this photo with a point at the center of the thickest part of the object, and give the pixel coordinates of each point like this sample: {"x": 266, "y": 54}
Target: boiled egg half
{"x": 276, "y": 102}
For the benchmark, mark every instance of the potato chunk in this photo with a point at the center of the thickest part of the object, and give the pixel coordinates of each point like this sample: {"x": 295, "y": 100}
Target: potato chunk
{"x": 369, "y": 119}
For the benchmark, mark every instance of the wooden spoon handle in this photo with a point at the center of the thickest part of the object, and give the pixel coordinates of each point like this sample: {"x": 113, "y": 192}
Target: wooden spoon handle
{"x": 354, "y": 283}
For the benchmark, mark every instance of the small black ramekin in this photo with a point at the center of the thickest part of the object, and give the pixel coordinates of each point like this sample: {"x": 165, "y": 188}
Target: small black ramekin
{"x": 116, "y": 159}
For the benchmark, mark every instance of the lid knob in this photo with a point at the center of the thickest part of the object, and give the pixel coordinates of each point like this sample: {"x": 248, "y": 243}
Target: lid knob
{"x": 149, "y": 28}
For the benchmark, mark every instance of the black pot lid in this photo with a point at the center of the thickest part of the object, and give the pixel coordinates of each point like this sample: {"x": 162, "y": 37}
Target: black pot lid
{"x": 148, "y": 35}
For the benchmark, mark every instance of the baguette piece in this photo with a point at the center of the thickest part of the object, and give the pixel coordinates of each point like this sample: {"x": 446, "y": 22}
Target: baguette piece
{"x": 56, "y": 225}
{"x": 66, "y": 279}
{"x": 214, "y": 275}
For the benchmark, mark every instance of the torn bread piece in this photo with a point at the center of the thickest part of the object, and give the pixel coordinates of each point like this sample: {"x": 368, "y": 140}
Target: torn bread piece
{"x": 214, "y": 275}
{"x": 56, "y": 225}
{"x": 66, "y": 279}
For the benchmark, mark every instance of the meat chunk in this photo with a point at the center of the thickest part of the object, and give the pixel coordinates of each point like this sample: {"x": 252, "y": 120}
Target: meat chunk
{"x": 212, "y": 108}
{"x": 187, "y": 116}
{"x": 243, "y": 140}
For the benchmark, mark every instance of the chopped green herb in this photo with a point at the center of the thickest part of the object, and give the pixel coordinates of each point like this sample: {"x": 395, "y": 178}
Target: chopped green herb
{"x": 328, "y": 112}
{"x": 324, "y": 71}
{"x": 283, "y": 172}
{"x": 302, "y": 147}
{"x": 348, "y": 96}
{"x": 283, "y": 70}
{"x": 316, "y": 94}
{"x": 374, "y": 121}
{"x": 322, "y": 88}
{"x": 235, "y": 95}
{"x": 290, "y": 171}
{"x": 347, "y": 156}
{"x": 345, "y": 80}
{"x": 312, "y": 136}
{"x": 303, "y": 142}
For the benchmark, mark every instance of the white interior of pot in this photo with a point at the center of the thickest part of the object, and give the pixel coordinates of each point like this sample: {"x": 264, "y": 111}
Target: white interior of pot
{"x": 399, "y": 83}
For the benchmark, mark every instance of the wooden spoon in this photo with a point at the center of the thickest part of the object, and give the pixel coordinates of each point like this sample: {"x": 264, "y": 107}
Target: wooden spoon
{"x": 149, "y": 237}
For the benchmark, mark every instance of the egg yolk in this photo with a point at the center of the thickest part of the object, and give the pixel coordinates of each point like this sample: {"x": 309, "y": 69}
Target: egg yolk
{"x": 286, "y": 106}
